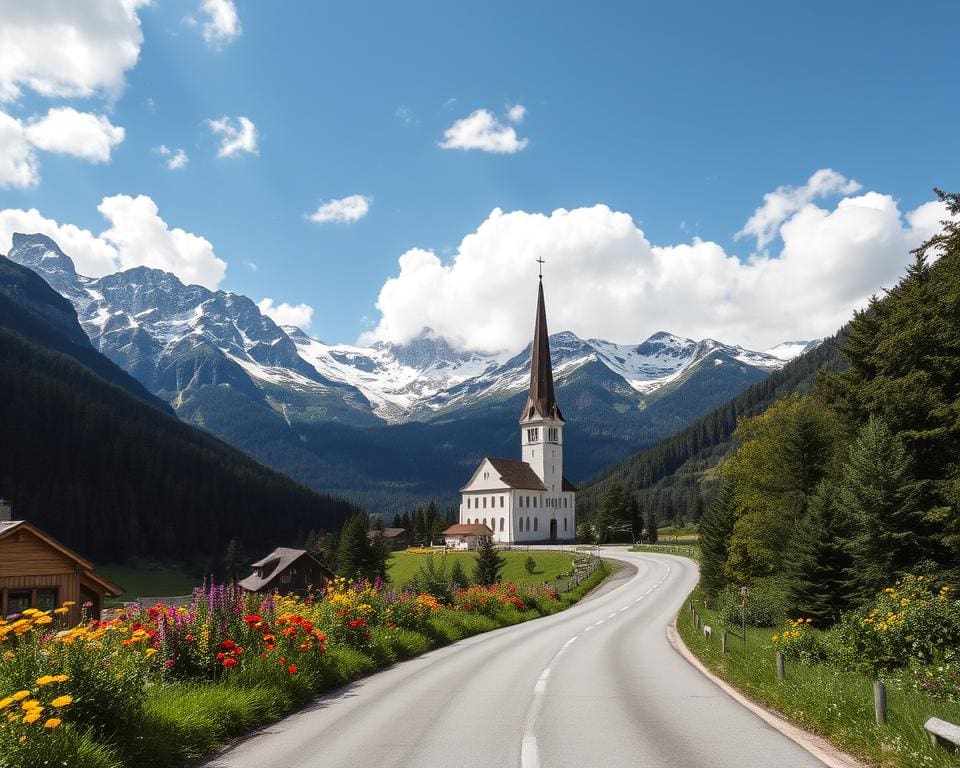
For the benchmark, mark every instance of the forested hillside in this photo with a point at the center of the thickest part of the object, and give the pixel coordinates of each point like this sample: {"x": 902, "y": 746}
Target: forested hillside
{"x": 676, "y": 477}
{"x": 111, "y": 475}
{"x": 832, "y": 496}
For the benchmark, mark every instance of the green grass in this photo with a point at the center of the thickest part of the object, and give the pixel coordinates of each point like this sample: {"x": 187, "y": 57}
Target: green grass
{"x": 832, "y": 702}
{"x": 147, "y": 582}
{"x": 403, "y": 565}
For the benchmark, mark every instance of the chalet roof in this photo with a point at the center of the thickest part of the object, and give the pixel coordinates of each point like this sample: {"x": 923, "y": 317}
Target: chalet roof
{"x": 542, "y": 401}
{"x": 276, "y": 563}
{"x": 9, "y": 526}
{"x": 468, "y": 529}
{"x": 388, "y": 533}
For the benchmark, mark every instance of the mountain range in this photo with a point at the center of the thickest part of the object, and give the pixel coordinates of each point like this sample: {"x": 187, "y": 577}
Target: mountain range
{"x": 386, "y": 423}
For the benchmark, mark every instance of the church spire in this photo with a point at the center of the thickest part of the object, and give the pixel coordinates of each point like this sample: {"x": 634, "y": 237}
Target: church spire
{"x": 542, "y": 402}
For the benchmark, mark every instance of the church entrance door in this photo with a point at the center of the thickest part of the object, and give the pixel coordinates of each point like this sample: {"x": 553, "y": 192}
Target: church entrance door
{"x": 553, "y": 529}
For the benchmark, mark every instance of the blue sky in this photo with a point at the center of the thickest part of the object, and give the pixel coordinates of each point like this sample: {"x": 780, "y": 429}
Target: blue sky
{"x": 681, "y": 115}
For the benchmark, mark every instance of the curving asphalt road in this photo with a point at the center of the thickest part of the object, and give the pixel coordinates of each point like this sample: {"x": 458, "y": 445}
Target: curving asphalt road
{"x": 595, "y": 685}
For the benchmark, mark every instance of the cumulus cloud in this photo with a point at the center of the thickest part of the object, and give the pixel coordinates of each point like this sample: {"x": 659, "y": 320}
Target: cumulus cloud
{"x": 604, "y": 279}
{"x": 785, "y": 201}
{"x": 66, "y": 131}
{"x": 300, "y": 315}
{"x": 63, "y": 130}
{"x": 137, "y": 236}
{"x": 69, "y": 49}
{"x": 19, "y": 166}
{"x": 174, "y": 159}
{"x": 219, "y": 22}
{"x": 236, "y": 135}
{"x": 481, "y": 130}
{"x": 342, "y": 211}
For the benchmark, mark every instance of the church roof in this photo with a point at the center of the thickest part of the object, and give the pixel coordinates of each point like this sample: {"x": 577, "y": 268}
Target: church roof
{"x": 517, "y": 474}
{"x": 542, "y": 402}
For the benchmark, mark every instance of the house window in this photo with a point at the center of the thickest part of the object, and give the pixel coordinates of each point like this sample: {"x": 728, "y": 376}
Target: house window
{"x": 285, "y": 577}
{"x": 533, "y": 435}
{"x": 46, "y": 599}
{"x": 501, "y": 524}
{"x": 552, "y": 435}
{"x": 17, "y": 602}
{"x": 535, "y": 523}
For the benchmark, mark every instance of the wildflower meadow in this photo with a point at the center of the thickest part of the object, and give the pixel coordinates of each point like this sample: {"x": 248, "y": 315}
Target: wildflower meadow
{"x": 161, "y": 685}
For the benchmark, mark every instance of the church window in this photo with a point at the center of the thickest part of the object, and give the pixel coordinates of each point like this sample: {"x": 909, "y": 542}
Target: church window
{"x": 484, "y": 502}
{"x": 534, "y": 502}
{"x": 501, "y": 524}
{"x": 564, "y": 502}
{"x": 535, "y": 521}
{"x": 533, "y": 435}
{"x": 501, "y": 502}
{"x": 552, "y": 435}
{"x": 564, "y": 523}
{"x": 484, "y": 521}
{"x": 528, "y": 524}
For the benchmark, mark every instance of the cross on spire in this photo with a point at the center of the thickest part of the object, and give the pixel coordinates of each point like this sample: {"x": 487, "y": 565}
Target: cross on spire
{"x": 541, "y": 262}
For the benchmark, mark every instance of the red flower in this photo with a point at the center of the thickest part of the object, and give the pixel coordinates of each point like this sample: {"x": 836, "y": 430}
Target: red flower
{"x": 292, "y": 669}
{"x": 228, "y": 663}
{"x": 221, "y": 656}
{"x": 169, "y": 663}
{"x": 228, "y": 645}
{"x": 356, "y": 623}
{"x": 252, "y": 619}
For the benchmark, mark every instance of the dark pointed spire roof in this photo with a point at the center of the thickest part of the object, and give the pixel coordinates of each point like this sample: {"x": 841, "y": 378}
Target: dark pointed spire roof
{"x": 542, "y": 402}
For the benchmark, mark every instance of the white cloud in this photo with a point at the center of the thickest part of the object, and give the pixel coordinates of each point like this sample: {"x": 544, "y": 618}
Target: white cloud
{"x": 18, "y": 162}
{"x": 516, "y": 113}
{"x": 137, "y": 237}
{"x": 238, "y": 135}
{"x": 221, "y": 24}
{"x": 66, "y": 131}
{"x": 70, "y": 49}
{"x": 481, "y": 130}
{"x": 300, "y": 315}
{"x": 783, "y": 202}
{"x": 342, "y": 211}
{"x": 604, "y": 279}
{"x": 174, "y": 159}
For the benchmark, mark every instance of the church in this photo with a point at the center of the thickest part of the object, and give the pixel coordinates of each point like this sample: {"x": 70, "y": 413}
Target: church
{"x": 528, "y": 501}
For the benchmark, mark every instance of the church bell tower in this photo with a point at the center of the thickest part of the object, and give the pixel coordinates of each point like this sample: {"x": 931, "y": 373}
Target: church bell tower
{"x": 541, "y": 423}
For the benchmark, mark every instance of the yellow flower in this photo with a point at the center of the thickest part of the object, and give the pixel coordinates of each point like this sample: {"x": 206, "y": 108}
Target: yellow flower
{"x": 30, "y": 612}
{"x": 69, "y": 603}
{"x": 31, "y": 717}
{"x": 41, "y": 620}
{"x": 62, "y": 701}
{"x": 45, "y": 680}
{"x": 52, "y": 723}
{"x": 31, "y": 704}
{"x": 60, "y": 678}
{"x": 20, "y": 695}
{"x": 61, "y": 611}
{"x": 150, "y": 651}
{"x": 4, "y": 703}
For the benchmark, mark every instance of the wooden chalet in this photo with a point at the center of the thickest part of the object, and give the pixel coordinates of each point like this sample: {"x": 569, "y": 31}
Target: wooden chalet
{"x": 287, "y": 571}
{"x": 395, "y": 538}
{"x": 37, "y": 571}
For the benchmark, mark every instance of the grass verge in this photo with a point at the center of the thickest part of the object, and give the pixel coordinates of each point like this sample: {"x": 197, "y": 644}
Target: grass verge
{"x": 549, "y": 565}
{"x": 832, "y": 702}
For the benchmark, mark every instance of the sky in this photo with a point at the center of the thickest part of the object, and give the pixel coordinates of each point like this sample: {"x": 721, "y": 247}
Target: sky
{"x": 746, "y": 171}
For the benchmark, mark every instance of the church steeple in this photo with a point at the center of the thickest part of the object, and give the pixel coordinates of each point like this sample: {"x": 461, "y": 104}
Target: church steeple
{"x": 541, "y": 402}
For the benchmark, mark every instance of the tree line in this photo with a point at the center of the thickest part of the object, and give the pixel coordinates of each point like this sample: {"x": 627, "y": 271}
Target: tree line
{"x": 832, "y": 495}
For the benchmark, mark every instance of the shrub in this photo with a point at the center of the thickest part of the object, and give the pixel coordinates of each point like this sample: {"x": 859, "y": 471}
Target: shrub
{"x": 432, "y": 579}
{"x": 764, "y": 607}
{"x": 530, "y": 565}
{"x": 801, "y": 642}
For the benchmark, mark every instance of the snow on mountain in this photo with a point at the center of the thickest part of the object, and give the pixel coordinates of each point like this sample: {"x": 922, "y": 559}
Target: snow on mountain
{"x": 175, "y": 337}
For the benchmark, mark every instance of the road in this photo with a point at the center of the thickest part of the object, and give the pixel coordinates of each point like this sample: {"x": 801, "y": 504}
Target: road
{"x": 595, "y": 685}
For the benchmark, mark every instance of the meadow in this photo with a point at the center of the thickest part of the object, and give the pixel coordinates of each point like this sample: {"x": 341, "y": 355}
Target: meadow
{"x": 401, "y": 566}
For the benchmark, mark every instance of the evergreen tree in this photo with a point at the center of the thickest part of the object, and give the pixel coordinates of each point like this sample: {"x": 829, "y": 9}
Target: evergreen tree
{"x": 585, "y": 533}
{"x": 653, "y": 535}
{"x": 419, "y": 528}
{"x": 880, "y": 495}
{"x": 231, "y": 561}
{"x": 397, "y": 521}
{"x": 458, "y": 577}
{"x": 614, "y": 510}
{"x": 817, "y": 567}
{"x": 716, "y": 528}
{"x": 489, "y": 563}
{"x": 636, "y": 518}
{"x": 429, "y": 522}
{"x": 355, "y": 554}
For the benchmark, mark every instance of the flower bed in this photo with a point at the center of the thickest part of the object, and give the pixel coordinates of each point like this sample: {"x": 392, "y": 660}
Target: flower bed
{"x": 163, "y": 685}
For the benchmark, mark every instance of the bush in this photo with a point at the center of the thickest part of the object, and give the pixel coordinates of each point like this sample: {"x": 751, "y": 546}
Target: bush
{"x": 530, "y": 565}
{"x": 911, "y": 623}
{"x": 764, "y": 607}
{"x": 801, "y": 642}
{"x": 432, "y": 579}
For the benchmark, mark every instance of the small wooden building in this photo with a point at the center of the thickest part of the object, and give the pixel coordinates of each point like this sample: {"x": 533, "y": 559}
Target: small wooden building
{"x": 396, "y": 538}
{"x": 37, "y": 571}
{"x": 466, "y": 535}
{"x": 287, "y": 571}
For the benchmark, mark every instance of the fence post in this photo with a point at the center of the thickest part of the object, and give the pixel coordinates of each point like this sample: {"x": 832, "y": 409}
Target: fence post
{"x": 779, "y": 667}
{"x": 723, "y": 641}
{"x": 880, "y": 702}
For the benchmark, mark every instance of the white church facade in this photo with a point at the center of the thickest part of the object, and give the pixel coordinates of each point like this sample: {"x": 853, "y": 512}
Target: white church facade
{"x": 528, "y": 501}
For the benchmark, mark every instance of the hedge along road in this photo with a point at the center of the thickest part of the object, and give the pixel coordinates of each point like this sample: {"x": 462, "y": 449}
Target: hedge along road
{"x": 595, "y": 685}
